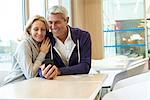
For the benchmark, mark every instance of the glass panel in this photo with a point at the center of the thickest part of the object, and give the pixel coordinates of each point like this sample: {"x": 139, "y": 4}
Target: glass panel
{"x": 148, "y": 23}
{"x": 36, "y": 7}
{"x": 67, "y": 5}
{"x": 11, "y": 29}
{"x": 52, "y": 3}
{"x": 124, "y": 30}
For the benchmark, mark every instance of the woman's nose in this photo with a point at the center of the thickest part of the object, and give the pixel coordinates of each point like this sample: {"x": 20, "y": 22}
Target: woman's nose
{"x": 40, "y": 32}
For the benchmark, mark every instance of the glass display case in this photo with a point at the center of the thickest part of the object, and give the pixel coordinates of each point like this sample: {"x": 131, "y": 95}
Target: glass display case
{"x": 130, "y": 37}
{"x": 124, "y": 28}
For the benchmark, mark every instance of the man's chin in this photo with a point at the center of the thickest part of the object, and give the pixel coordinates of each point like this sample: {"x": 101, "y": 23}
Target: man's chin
{"x": 55, "y": 34}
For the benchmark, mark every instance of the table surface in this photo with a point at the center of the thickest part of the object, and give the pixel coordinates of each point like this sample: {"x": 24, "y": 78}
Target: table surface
{"x": 69, "y": 87}
{"x": 113, "y": 63}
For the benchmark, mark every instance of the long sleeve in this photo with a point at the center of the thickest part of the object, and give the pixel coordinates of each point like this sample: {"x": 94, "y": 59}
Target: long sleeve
{"x": 29, "y": 59}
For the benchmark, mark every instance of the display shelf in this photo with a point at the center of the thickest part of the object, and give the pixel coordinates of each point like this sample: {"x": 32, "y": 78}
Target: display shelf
{"x": 124, "y": 46}
{"x": 125, "y": 30}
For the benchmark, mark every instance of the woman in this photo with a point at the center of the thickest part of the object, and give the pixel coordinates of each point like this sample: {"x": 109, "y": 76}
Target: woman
{"x": 31, "y": 51}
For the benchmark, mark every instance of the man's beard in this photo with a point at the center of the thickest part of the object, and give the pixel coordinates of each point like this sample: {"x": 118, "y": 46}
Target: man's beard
{"x": 55, "y": 30}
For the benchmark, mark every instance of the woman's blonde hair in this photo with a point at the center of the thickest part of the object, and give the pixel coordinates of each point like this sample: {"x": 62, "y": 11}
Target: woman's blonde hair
{"x": 31, "y": 21}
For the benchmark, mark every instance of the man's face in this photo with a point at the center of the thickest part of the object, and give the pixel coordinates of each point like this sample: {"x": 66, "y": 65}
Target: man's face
{"x": 58, "y": 25}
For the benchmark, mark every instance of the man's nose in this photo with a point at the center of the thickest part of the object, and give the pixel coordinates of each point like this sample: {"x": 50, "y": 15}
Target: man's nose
{"x": 53, "y": 25}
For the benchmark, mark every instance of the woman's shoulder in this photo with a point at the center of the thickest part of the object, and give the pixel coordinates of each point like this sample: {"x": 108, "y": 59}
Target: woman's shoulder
{"x": 23, "y": 44}
{"x": 24, "y": 41}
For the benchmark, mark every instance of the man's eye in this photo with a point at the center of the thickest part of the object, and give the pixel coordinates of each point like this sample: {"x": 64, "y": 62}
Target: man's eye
{"x": 36, "y": 29}
{"x": 50, "y": 22}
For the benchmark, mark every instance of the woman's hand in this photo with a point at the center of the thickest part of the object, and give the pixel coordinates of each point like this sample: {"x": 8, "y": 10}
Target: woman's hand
{"x": 45, "y": 46}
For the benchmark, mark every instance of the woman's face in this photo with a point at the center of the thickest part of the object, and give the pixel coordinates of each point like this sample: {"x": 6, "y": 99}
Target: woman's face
{"x": 38, "y": 31}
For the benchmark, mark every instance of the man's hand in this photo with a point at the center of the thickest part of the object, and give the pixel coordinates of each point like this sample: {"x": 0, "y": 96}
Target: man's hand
{"x": 50, "y": 72}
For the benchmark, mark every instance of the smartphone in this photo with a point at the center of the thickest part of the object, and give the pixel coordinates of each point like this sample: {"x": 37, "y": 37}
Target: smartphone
{"x": 47, "y": 62}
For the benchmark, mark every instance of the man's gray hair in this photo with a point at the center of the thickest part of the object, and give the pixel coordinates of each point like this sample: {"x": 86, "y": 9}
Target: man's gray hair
{"x": 57, "y": 9}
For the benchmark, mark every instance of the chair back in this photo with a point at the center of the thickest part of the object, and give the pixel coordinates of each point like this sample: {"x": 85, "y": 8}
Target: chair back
{"x": 139, "y": 91}
{"x": 133, "y": 69}
{"x": 132, "y": 80}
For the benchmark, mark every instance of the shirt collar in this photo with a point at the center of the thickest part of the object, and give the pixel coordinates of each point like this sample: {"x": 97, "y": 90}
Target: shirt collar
{"x": 68, "y": 37}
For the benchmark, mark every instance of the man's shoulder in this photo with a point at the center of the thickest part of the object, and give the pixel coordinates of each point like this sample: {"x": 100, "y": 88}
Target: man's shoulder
{"x": 79, "y": 31}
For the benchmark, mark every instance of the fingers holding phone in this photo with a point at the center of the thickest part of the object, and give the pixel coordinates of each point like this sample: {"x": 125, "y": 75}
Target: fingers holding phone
{"x": 50, "y": 72}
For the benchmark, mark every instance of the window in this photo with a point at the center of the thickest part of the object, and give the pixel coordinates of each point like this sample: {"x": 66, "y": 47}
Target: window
{"x": 52, "y": 3}
{"x": 36, "y": 7}
{"x": 124, "y": 27}
{"x": 13, "y": 20}
{"x": 11, "y": 29}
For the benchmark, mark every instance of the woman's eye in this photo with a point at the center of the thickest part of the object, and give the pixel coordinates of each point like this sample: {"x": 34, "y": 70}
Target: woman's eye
{"x": 43, "y": 29}
{"x": 35, "y": 29}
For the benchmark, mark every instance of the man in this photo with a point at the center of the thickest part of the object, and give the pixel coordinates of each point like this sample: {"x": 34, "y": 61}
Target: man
{"x": 71, "y": 47}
